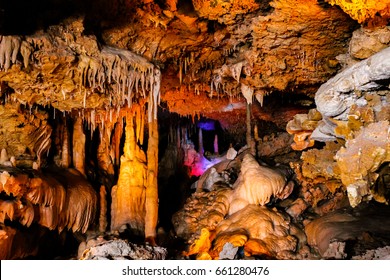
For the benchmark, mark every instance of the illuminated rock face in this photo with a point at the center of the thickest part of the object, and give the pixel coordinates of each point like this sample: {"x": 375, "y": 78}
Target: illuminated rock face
{"x": 258, "y": 45}
{"x": 364, "y": 10}
{"x": 224, "y": 10}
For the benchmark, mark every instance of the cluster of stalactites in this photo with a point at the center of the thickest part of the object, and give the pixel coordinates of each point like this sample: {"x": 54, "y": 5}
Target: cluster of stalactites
{"x": 130, "y": 76}
{"x": 126, "y": 76}
{"x": 10, "y": 47}
{"x": 219, "y": 86}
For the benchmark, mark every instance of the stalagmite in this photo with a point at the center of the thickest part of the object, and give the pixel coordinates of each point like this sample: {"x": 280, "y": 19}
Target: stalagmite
{"x": 257, "y": 184}
{"x": 271, "y": 228}
{"x": 249, "y": 141}
{"x": 26, "y": 49}
{"x": 116, "y": 140}
{"x": 151, "y": 203}
{"x": 65, "y": 155}
{"x": 79, "y": 146}
{"x": 128, "y": 196}
{"x": 200, "y": 139}
{"x": 103, "y": 209}
{"x": 151, "y": 200}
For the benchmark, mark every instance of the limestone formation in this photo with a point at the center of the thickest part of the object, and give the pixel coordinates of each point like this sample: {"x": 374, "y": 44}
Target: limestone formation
{"x": 112, "y": 96}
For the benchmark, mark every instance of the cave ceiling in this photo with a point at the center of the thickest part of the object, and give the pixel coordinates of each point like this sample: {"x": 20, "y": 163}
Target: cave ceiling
{"x": 62, "y": 53}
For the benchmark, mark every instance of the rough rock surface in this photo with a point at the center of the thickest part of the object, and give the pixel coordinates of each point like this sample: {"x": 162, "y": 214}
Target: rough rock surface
{"x": 207, "y": 48}
{"x": 335, "y": 98}
{"x": 361, "y": 157}
{"x": 366, "y": 224}
{"x": 119, "y": 249}
{"x": 375, "y": 254}
{"x": 366, "y": 42}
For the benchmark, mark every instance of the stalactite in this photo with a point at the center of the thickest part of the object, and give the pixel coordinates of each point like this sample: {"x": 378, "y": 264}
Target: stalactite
{"x": 260, "y": 98}
{"x": 103, "y": 209}
{"x": 45, "y": 190}
{"x": 26, "y": 50}
{"x": 79, "y": 146}
{"x": 104, "y": 159}
{"x": 247, "y": 91}
{"x": 9, "y": 49}
{"x": 7, "y": 210}
{"x": 154, "y": 95}
{"x": 178, "y": 139}
{"x": 116, "y": 141}
{"x": 65, "y": 155}
{"x": 236, "y": 70}
{"x": 7, "y": 235}
{"x": 26, "y": 214}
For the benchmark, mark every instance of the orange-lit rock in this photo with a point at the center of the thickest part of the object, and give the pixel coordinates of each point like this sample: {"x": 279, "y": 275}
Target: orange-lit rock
{"x": 65, "y": 201}
{"x": 366, "y": 10}
{"x": 215, "y": 10}
{"x": 302, "y": 126}
{"x": 128, "y": 196}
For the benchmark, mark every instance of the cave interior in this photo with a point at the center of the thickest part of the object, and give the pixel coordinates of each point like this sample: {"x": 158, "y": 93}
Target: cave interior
{"x": 174, "y": 129}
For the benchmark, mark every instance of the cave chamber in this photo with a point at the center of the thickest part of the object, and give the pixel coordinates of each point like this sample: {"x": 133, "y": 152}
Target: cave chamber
{"x": 195, "y": 129}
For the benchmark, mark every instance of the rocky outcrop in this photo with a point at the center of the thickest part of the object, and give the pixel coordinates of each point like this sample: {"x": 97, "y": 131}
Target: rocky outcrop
{"x": 335, "y": 98}
{"x": 335, "y": 234}
{"x": 354, "y": 107}
{"x": 365, "y": 11}
{"x": 119, "y": 249}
